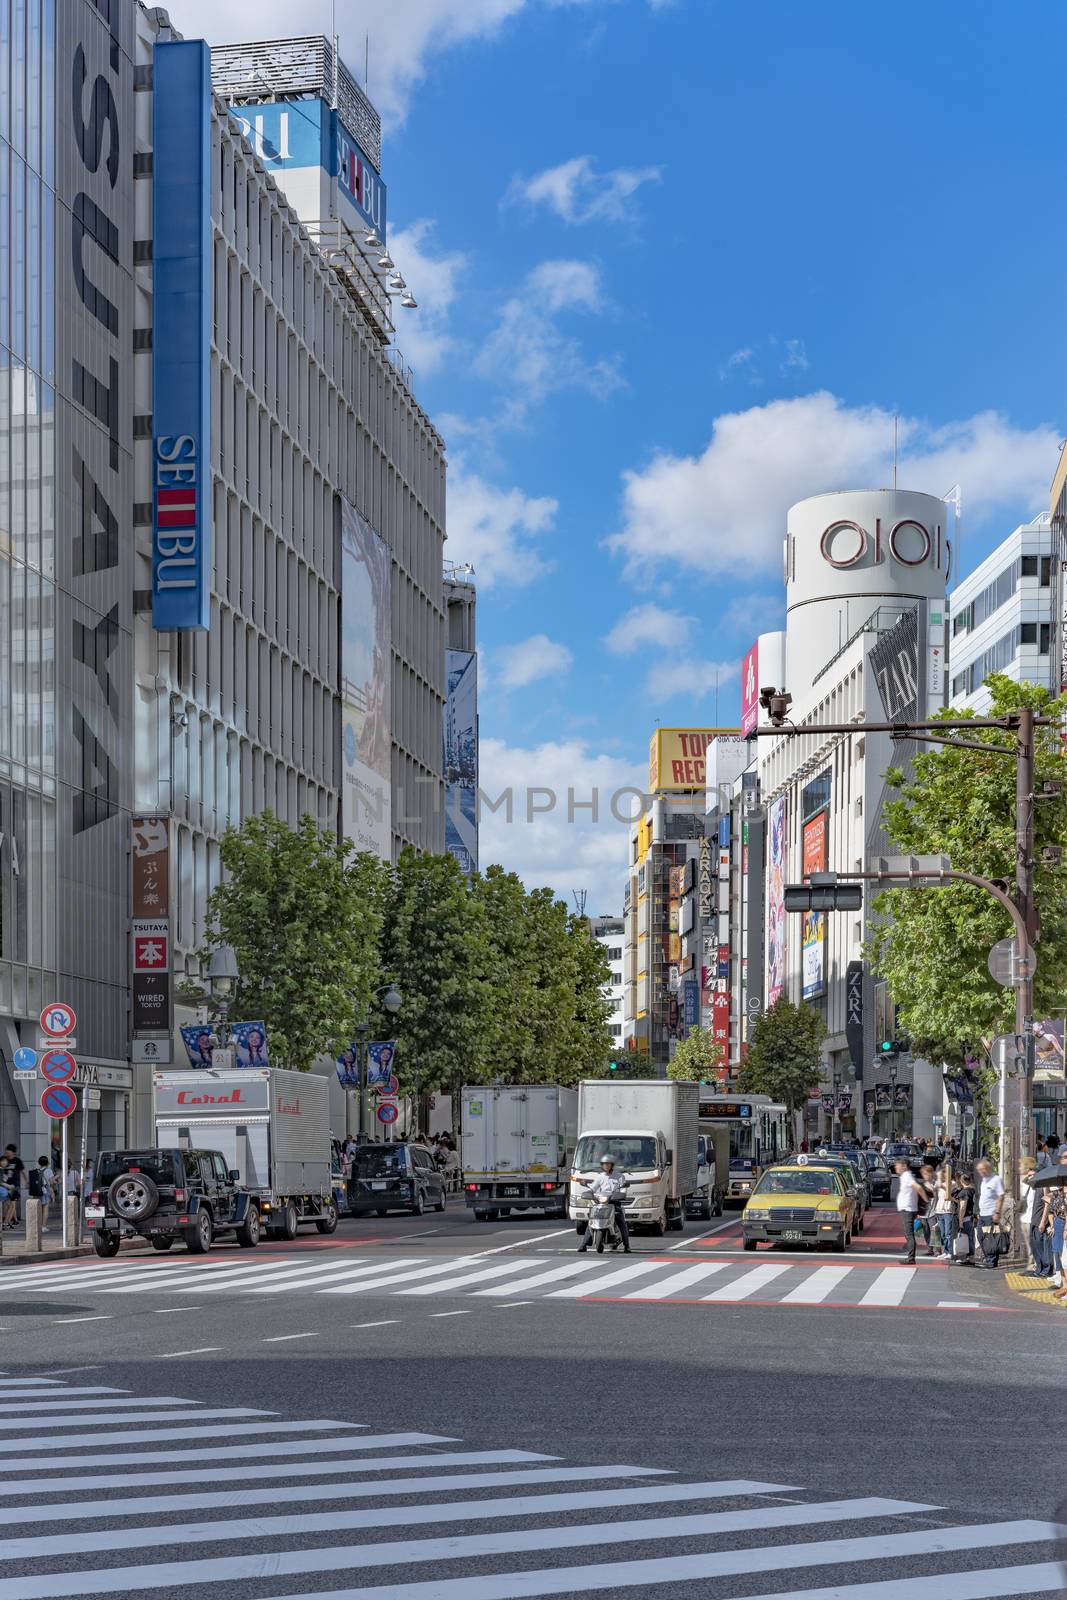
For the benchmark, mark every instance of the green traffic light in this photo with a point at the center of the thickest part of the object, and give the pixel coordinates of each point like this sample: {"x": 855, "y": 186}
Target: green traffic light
{"x": 887, "y": 1044}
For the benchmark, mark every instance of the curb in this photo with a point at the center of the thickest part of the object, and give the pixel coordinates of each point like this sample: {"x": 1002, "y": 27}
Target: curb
{"x": 32, "y": 1257}
{"x": 1027, "y": 1289}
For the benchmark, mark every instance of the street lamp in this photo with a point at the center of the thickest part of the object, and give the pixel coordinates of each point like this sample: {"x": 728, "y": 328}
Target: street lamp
{"x": 391, "y": 1001}
{"x": 222, "y": 980}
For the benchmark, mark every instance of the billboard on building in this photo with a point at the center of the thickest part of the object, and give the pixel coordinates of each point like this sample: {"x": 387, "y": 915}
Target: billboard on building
{"x": 813, "y": 929}
{"x": 181, "y": 337}
{"x": 776, "y": 901}
{"x": 676, "y": 758}
{"x": 461, "y": 757}
{"x": 307, "y": 141}
{"x": 366, "y": 677}
{"x": 750, "y": 691}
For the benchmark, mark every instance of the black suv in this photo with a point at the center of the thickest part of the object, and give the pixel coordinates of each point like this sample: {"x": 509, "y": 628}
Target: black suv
{"x": 394, "y": 1177}
{"x": 163, "y": 1195}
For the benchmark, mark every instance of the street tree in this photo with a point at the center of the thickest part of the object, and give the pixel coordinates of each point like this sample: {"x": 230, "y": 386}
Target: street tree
{"x": 932, "y": 945}
{"x": 784, "y": 1056}
{"x": 304, "y": 915}
{"x": 698, "y": 1056}
{"x": 434, "y": 948}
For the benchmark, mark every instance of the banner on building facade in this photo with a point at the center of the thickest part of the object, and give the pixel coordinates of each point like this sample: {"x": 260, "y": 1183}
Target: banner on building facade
{"x": 150, "y": 984}
{"x": 854, "y": 1015}
{"x": 677, "y": 758}
{"x": 813, "y": 931}
{"x": 776, "y": 951}
{"x": 461, "y": 757}
{"x": 750, "y": 691}
{"x": 366, "y": 686}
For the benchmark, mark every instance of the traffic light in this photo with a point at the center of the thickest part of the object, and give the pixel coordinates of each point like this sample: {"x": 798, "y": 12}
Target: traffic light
{"x": 893, "y": 1047}
{"x": 613, "y": 1066}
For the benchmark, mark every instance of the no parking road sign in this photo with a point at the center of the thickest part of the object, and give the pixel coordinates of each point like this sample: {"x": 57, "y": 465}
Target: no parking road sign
{"x": 387, "y": 1112}
{"x": 58, "y": 1066}
{"x": 58, "y": 1101}
{"x": 58, "y": 1019}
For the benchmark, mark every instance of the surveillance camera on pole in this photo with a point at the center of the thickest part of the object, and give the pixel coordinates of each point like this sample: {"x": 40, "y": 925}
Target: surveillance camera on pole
{"x": 776, "y": 703}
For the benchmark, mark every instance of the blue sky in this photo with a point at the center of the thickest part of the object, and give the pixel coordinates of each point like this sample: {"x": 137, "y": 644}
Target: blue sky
{"x": 677, "y": 266}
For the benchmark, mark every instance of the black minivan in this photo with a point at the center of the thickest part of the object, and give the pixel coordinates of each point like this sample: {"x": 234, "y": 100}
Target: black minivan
{"x": 394, "y": 1177}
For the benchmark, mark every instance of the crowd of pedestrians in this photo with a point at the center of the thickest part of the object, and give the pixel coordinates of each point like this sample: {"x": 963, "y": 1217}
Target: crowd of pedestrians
{"x": 41, "y": 1181}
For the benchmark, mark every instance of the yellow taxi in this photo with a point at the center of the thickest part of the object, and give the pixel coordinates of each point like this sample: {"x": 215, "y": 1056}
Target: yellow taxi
{"x": 803, "y": 1204}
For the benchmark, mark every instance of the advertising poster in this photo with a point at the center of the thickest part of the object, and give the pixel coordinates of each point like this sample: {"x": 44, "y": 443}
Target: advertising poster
{"x": 249, "y": 1041}
{"x": 150, "y": 987}
{"x": 750, "y": 691}
{"x": 380, "y": 1057}
{"x": 366, "y": 680}
{"x": 813, "y": 934}
{"x": 776, "y": 902}
{"x": 901, "y": 1096}
{"x": 883, "y": 1096}
{"x": 677, "y": 758}
{"x": 348, "y": 1067}
{"x": 200, "y": 1039}
{"x": 1048, "y": 1047}
{"x": 461, "y": 757}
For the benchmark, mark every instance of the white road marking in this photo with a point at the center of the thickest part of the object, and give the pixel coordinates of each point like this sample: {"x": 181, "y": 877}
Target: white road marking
{"x": 332, "y": 1274}
{"x": 576, "y": 1291}
{"x": 552, "y": 1275}
{"x": 264, "y": 1565}
{"x": 170, "y": 1311}
{"x": 889, "y": 1288}
{"x": 675, "y": 1281}
{"x": 747, "y": 1284}
{"x": 280, "y": 1338}
{"x": 287, "y": 1526}
{"x": 129, "y": 1419}
{"x": 683, "y": 1244}
{"x": 960, "y": 1305}
{"x": 511, "y": 1304}
{"x": 48, "y": 1442}
{"x": 59, "y": 1392}
{"x": 388, "y": 1278}
{"x": 451, "y": 1313}
{"x": 388, "y": 1322}
{"x": 103, "y": 1316}
{"x": 817, "y": 1287}
{"x": 518, "y": 1244}
{"x": 499, "y": 1270}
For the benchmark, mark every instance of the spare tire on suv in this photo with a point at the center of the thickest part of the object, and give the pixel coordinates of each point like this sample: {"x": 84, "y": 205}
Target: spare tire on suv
{"x": 133, "y": 1196}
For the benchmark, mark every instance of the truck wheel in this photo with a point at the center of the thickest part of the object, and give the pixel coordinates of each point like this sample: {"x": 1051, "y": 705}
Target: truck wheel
{"x": 750, "y": 1244}
{"x": 380, "y": 1211}
{"x": 248, "y": 1233}
{"x": 481, "y": 1216}
{"x": 288, "y": 1222}
{"x": 106, "y": 1244}
{"x": 659, "y": 1227}
{"x": 327, "y": 1223}
{"x": 162, "y": 1241}
{"x": 198, "y": 1237}
{"x": 676, "y": 1221}
{"x": 719, "y": 1208}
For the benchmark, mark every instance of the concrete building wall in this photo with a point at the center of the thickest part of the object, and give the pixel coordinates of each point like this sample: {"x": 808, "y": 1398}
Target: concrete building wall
{"x": 1003, "y": 617}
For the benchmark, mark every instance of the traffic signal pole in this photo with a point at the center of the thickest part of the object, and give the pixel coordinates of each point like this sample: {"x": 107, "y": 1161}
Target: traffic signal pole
{"x": 1016, "y": 1089}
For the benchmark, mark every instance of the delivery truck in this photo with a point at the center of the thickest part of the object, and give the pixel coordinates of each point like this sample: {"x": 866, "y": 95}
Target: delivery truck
{"x": 516, "y": 1144}
{"x": 649, "y": 1125}
{"x": 272, "y": 1126}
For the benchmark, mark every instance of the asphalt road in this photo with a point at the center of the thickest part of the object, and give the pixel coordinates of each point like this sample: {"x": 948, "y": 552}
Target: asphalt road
{"x": 392, "y": 1444}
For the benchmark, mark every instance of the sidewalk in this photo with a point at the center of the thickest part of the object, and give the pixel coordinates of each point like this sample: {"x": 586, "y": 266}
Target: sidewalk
{"x": 14, "y": 1252}
{"x": 1033, "y": 1290}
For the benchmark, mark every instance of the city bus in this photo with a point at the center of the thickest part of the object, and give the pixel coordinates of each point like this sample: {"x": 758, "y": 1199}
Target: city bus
{"x": 759, "y": 1135}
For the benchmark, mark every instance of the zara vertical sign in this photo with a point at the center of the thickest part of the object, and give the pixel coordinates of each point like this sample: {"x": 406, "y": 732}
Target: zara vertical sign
{"x": 181, "y": 336}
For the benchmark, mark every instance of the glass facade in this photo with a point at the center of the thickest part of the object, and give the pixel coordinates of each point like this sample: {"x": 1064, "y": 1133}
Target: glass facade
{"x": 27, "y": 500}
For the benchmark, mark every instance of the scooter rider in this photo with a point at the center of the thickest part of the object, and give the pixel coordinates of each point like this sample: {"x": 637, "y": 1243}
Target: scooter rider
{"x": 606, "y": 1186}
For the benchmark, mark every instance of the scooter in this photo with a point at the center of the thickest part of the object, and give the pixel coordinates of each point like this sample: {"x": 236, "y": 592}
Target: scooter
{"x": 604, "y": 1221}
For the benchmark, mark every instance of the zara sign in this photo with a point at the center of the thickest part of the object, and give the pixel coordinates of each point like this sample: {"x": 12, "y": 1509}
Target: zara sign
{"x": 845, "y": 543}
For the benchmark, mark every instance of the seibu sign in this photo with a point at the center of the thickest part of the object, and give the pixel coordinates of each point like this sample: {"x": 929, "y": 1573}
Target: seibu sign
{"x": 845, "y": 543}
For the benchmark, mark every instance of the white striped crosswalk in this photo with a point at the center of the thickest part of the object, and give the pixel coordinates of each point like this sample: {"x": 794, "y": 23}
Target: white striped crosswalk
{"x": 405, "y": 1516}
{"x": 645, "y": 1278}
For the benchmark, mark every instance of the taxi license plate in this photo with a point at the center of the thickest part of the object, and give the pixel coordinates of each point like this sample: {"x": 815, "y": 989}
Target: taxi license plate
{"x": 791, "y": 1233}
{"x": 511, "y": 1190}
{"x": 377, "y": 1185}
{"x": 94, "y": 1211}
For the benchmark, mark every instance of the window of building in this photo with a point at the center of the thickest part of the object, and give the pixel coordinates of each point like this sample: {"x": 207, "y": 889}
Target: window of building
{"x": 1028, "y": 633}
{"x": 1029, "y": 566}
{"x": 961, "y": 621}
{"x": 1044, "y": 639}
{"x": 959, "y": 684}
{"x": 1046, "y": 571}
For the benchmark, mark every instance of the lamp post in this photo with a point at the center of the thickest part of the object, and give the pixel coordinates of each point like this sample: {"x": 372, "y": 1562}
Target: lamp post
{"x": 392, "y": 1001}
{"x": 222, "y": 980}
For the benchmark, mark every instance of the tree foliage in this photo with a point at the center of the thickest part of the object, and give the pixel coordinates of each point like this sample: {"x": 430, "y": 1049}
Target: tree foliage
{"x": 304, "y": 917}
{"x": 932, "y": 945}
{"x": 784, "y": 1056}
{"x": 698, "y": 1056}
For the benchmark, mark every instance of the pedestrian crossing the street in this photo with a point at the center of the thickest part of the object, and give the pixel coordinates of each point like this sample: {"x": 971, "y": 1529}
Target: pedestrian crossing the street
{"x": 640, "y": 1280}
{"x": 333, "y": 1510}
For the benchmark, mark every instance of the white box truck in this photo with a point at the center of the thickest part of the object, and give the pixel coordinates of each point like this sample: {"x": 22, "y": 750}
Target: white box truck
{"x": 516, "y": 1144}
{"x": 271, "y": 1125}
{"x": 650, "y": 1126}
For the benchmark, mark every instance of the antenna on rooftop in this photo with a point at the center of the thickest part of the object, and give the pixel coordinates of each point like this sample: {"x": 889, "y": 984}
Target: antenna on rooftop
{"x": 580, "y": 898}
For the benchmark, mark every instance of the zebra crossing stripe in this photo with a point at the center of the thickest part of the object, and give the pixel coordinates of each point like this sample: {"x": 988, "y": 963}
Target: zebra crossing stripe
{"x": 816, "y": 1288}
{"x": 388, "y": 1278}
{"x": 889, "y": 1288}
{"x": 255, "y": 1274}
{"x": 393, "y": 1552}
{"x": 748, "y": 1283}
{"x": 676, "y": 1281}
{"x": 60, "y": 1402}
{"x": 570, "y": 1270}
{"x": 62, "y": 1394}
{"x": 264, "y": 1449}
{"x": 575, "y": 1291}
{"x": 230, "y": 1414}
{"x": 321, "y": 1274}
{"x": 45, "y": 1441}
{"x": 499, "y": 1270}
{"x": 658, "y": 1570}
{"x": 431, "y": 1483}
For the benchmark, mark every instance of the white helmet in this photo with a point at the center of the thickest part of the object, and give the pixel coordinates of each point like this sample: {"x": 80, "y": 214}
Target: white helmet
{"x": 608, "y": 1158}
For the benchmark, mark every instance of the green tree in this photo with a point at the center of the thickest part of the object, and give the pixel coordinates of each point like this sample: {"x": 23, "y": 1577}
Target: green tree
{"x": 434, "y": 948}
{"x": 304, "y": 917}
{"x": 932, "y": 945}
{"x": 698, "y": 1056}
{"x": 784, "y": 1057}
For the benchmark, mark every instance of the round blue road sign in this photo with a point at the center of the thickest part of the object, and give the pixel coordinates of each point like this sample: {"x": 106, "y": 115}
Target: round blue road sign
{"x": 387, "y": 1112}
{"x": 57, "y": 1101}
{"x": 58, "y": 1066}
{"x": 25, "y": 1059}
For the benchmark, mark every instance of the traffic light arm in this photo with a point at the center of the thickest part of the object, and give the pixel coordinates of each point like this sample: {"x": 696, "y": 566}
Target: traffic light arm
{"x": 927, "y": 880}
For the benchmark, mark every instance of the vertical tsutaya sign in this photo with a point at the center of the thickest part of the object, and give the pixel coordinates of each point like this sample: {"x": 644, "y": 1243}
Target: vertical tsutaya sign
{"x": 366, "y": 686}
{"x": 461, "y": 757}
{"x": 750, "y": 691}
{"x": 854, "y": 1015}
{"x": 151, "y": 933}
{"x": 181, "y": 336}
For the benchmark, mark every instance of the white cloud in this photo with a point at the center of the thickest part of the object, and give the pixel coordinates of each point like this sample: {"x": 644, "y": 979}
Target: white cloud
{"x": 724, "y": 511}
{"x": 676, "y": 677}
{"x": 648, "y": 624}
{"x": 561, "y": 845}
{"x": 531, "y": 661}
{"x": 423, "y": 334}
{"x": 796, "y": 354}
{"x": 496, "y": 529}
{"x": 577, "y": 193}
{"x": 529, "y": 352}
